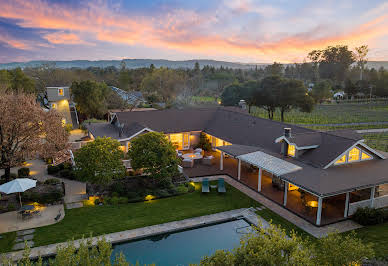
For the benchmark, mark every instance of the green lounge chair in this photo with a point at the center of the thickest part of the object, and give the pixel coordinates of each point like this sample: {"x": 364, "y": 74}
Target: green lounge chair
{"x": 205, "y": 185}
{"x": 221, "y": 185}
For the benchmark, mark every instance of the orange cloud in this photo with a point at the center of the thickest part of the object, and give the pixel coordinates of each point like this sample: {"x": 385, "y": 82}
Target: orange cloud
{"x": 9, "y": 41}
{"x": 179, "y": 30}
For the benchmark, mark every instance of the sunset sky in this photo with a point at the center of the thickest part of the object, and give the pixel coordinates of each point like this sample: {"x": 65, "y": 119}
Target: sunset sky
{"x": 232, "y": 30}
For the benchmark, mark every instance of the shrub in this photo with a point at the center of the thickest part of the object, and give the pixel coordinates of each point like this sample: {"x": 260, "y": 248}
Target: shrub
{"x": 12, "y": 176}
{"x": 114, "y": 200}
{"x": 368, "y": 216}
{"x": 162, "y": 193}
{"x": 123, "y": 200}
{"x": 181, "y": 189}
{"x": 24, "y": 172}
{"x": 51, "y": 169}
{"x": 115, "y": 194}
{"x": 67, "y": 173}
{"x": 107, "y": 200}
{"x": 51, "y": 181}
{"x": 165, "y": 182}
{"x": 118, "y": 188}
{"x": 11, "y": 207}
{"x": 132, "y": 195}
{"x": 97, "y": 201}
{"x": 190, "y": 187}
{"x": 44, "y": 198}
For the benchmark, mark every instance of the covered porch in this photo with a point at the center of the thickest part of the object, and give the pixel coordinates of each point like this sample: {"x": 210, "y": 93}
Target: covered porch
{"x": 261, "y": 172}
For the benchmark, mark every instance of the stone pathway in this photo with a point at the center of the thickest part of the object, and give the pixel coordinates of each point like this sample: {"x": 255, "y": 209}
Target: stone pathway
{"x": 24, "y": 237}
{"x": 315, "y": 231}
{"x": 148, "y": 231}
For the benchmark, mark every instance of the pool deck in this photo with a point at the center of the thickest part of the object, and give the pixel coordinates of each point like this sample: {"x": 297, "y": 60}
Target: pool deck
{"x": 148, "y": 231}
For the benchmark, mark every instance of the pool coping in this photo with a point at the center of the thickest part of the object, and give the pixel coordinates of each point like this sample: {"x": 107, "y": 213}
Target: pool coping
{"x": 143, "y": 232}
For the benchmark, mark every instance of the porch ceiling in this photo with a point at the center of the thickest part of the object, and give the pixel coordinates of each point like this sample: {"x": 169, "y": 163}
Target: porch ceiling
{"x": 269, "y": 163}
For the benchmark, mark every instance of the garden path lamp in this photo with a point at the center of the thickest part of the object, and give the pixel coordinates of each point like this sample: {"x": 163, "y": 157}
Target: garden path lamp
{"x": 18, "y": 185}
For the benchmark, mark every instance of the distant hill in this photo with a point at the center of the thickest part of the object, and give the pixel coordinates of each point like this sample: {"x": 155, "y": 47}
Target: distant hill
{"x": 131, "y": 63}
{"x": 138, "y": 63}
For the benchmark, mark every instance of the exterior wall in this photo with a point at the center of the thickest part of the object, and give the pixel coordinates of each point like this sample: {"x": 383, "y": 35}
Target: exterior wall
{"x": 52, "y": 93}
{"x": 63, "y": 108}
{"x": 194, "y": 138}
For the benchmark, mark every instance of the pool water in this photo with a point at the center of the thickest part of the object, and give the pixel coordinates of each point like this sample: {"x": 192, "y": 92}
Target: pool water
{"x": 185, "y": 247}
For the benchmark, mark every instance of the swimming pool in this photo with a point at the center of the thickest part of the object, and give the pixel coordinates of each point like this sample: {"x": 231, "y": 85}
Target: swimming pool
{"x": 185, "y": 247}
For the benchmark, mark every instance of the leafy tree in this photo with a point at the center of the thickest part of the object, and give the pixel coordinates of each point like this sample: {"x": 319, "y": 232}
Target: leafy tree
{"x": 204, "y": 142}
{"x": 276, "y": 69}
{"x": 153, "y": 153}
{"x": 27, "y": 131}
{"x": 321, "y": 91}
{"x": 271, "y": 246}
{"x": 265, "y": 96}
{"x": 231, "y": 94}
{"x": 350, "y": 88}
{"x": 68, "y": 254}
{"x": 99, "y": 161}
{"x": 90, "y": 97}
{"x": 5, "y": 81}
{"x": 165, "y": 83}
{"x": 333, "y": 62}
{"x": 360, "y": 56}
{"x": 15, "y": 81}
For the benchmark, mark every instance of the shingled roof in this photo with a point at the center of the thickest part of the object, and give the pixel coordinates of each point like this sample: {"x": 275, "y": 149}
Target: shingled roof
{"x": 235, "y": 127}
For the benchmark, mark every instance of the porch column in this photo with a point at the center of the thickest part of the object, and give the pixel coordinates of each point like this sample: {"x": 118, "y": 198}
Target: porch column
{"x": 222, "y": 161}
{"x": 285, "y": 193}
{"x": 259, "y": 180}
{"x": 346, "y": 205}
{"x": 319, "y": 211}
{"x": 372, "y": 196}
{"x": 239, "y": 169}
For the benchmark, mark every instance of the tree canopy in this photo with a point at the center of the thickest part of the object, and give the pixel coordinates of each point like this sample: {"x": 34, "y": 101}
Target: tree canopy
{"x": 271, "y": 246}
{"x": 90, "y": 97}
{"x": 27, "y": 131}
{"x": 99, "y": 161}
{"x": 153, "y": 153}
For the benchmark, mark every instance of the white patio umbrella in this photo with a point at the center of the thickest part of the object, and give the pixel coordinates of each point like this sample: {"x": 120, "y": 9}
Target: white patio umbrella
{"x": 18, "y": 185}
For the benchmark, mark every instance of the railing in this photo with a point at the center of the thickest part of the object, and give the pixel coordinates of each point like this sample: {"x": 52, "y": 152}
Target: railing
{"x": 379, "y": 202}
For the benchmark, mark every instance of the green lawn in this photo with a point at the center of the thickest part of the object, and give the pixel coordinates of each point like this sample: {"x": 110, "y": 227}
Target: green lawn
{"x": 332, "y": 114}
{"x": 377, "y": 235}
{"x": 7, "y": 241}
{"x": 100, "y": 220}
{"x": 377, "y": 141}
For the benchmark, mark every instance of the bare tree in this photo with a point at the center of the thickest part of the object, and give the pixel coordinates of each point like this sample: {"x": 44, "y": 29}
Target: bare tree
{"x": 27, "y": 131}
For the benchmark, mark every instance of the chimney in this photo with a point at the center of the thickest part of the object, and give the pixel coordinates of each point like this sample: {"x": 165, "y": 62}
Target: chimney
{"x": 287, "y": 132}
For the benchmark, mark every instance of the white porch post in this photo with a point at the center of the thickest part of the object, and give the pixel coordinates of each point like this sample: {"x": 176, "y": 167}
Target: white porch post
{"x": 239, "y": 169}
{"x": 259, "y": 180}
{"x": 346, "y": 205}
{"x": 222, "y": 161}
{"x": 372, "y": 196}
{"x": 319, "y": 211}
{"x": 285, "y": 193}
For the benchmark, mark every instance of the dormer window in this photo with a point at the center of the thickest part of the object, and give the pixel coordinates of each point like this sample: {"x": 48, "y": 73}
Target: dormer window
{"x": 354, "y": 155}
{"x": 291, "y": 150}
{"x": 60, "y": 92}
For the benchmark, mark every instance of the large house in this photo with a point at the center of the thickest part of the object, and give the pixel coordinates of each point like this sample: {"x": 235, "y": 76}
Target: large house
{"x": 321, "y": 176}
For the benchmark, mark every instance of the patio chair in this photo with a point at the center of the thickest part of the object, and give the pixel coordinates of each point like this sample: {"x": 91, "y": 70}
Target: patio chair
{"x": 205, "y": 185}
{"x": 198, "y": 150}
{"x": 207, "y": 160}
{"x": 37, "y": 213}
{"x": 187, "y": 163}
{"x": 221, "y": 185}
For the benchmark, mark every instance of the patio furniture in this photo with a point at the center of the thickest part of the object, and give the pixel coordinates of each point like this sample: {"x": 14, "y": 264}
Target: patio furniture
{"x": 187, "y": 163}
{"x": 205, "y": 185}
{"x": 192, "y": 156}
{"x": 26, "y": 215}
{"x": 207, "y": 160}
{"x": 18, "y": 185}
{"x": 213, "y": 186}
{"x": 221, "y": 185}
{"x": 27, "y": 208}
{"x": 37, "y": 213}
{"x": 198, "y": 150}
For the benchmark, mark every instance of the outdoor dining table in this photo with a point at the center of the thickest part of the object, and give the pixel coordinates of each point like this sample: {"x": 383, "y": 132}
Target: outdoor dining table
{"x": 27, "y": 208}
{"x": 192, "y": 156}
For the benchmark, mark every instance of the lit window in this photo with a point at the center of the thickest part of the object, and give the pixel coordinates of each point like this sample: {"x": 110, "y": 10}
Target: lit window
{"x": 177, "y": 141}
{"x": 365, "y": 156}
{"x": 354, "y": 155}
{"x": 292, "y": 187}
{"x": 341, "y": 160}
{"x": 60, "y": 92}
{"x": 53, "y": 105}
{"x": 291, "y": 150}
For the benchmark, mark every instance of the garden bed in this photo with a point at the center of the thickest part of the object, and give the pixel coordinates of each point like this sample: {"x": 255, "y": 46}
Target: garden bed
{"x": 137, "y": 189}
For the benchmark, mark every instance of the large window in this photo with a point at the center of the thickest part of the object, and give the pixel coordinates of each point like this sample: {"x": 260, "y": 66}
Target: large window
{"x": 177, "y": 140}
{"x": 354, "y": 155}
{"x": 291, "y": 150}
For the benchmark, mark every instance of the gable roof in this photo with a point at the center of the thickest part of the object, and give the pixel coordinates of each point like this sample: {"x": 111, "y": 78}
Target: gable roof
{"x": 302, "y": 141}
{"x": 240, "y": 128}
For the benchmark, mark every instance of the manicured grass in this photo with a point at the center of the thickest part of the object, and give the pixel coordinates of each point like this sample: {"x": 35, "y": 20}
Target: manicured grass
{"x": 7, "y": 241}
{"x": 332, "y": 114}
{"x": 100, "y": 220}
{"x": 378, "y": 236}
{"x": 274, "y": 218}
{"x": 377, "y": 141}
